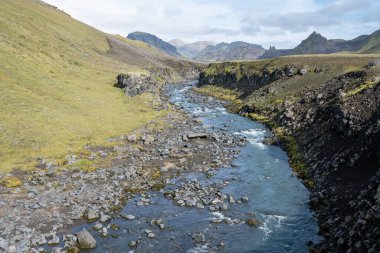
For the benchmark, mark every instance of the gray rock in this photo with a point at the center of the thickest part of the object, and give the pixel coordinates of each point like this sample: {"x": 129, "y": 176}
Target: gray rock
{"x": 92, "y": 215}
{"x": 244, "y": 199}
{"x": 128, "y": 216}
{"x": 374, "y": 63}
{"x": 303, "y": 72}
{"x": 132, "y": 244}
{"x": 198, "y": 237}
{"x": 86, "y": 240}
{"x": 39, "y": 240}
{"x": 148, "y": 139}
{"x": 104, "y": 217}
{"x": 132, "y": 138}
{"x": 98, "y": 226}
{"x": 54, "y": 241}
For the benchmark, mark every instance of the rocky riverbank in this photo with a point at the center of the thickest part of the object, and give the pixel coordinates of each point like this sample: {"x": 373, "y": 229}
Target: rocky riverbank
{"x": 330, "y": 127}
{"x": 38, "y": 214}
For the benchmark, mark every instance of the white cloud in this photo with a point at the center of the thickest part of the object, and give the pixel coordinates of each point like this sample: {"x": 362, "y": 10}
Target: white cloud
{"x": 283, "y": 23}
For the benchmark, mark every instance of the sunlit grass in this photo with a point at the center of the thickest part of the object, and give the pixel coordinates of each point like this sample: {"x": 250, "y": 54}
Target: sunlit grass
{"x": 56, "y": 82}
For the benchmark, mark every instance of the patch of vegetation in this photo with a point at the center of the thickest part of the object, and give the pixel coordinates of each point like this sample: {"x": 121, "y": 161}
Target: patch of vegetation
{"x": 219, "y": 93}
{"x": 10, "y": 182}
{"x": 82, "y": 165}
{"x": 364, "y": 86}
{"x": 258, "y": 117}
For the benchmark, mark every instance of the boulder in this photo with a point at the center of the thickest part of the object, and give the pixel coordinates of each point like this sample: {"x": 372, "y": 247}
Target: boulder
{"x": 86, "y": 240}
{"x": 92, "y": 215}
{"x": 198, "y": 238}
{"x": 373, "y": 63}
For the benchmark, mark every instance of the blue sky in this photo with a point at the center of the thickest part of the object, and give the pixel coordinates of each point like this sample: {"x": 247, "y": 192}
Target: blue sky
{"x": 282, "y": 23}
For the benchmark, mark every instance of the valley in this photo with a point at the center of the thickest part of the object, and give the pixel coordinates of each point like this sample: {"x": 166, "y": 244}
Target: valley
{"x": 133, "y": 143}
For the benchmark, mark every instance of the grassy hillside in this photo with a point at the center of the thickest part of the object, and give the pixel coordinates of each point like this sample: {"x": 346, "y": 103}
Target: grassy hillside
{"x": 56, "y": 82}
{"x": 372, "y": 45}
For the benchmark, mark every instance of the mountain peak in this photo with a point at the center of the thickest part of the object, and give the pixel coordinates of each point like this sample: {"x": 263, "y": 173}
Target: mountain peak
{"x": 154, "y": 41}
{"x": 314, "y": 35}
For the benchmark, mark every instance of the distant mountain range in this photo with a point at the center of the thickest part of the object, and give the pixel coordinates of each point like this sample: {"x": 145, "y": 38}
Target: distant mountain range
{"x": 317, "y": 44}
{"x": 154, "y": 41}
{"x": 190, "y": 50}
{"x": 238, "y": 50}
{"x": 209, "y": 51}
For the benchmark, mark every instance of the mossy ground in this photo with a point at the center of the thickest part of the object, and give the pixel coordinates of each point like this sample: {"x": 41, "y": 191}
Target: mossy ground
{"x": 56, "y": 81}
{"x": 10, "y": 182}
{"x": 220, "y": 93}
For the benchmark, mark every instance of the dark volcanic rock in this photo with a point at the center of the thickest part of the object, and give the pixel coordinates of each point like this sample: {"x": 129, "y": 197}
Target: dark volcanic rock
{"x": 336, "y": 126}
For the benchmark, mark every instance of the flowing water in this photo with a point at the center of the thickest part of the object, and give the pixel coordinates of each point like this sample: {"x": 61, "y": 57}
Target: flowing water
{"x": 277, "y": 199}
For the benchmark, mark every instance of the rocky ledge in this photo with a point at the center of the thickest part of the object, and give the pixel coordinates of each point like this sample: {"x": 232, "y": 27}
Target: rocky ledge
{"x": 133, "y": 84}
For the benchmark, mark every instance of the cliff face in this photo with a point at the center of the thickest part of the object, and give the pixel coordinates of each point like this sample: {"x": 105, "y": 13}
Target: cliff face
{"x": 244, "y": 79}
{"x": 334, "y": 125}
{"x": 133, "y": 85}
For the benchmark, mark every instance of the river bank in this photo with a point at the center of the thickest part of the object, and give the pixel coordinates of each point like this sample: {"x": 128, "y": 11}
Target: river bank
{"x": 325, "y": 113}
{"x": 52, "y": 200}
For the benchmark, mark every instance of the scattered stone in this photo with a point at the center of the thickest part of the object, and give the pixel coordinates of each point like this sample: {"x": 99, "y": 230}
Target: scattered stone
{"x": 39, "y": 240}
{"x": 104, "y": 217}
{"x": 244, "y": 199}
{"x": 132, "y": 244}
{"x": 54, "y": 241}
{"x": 92, "y": 215}
{"x": 128, "y": 216}
{"x": 374, "y": 63}
{"x": 132, "y": 138}
{"x": 251, "y": 222}
{"x": 98, "y": 226}
{"x": 73, "y": 250}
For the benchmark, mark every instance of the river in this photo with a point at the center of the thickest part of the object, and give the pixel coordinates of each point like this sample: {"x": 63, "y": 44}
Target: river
{"x": 277, "y": 199}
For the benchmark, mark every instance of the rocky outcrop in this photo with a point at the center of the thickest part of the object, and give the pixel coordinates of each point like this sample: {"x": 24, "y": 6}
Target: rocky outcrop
{"x": 335, "y": 128}
{"x": 133, "y": 85}
{"x": 246, "y": 82}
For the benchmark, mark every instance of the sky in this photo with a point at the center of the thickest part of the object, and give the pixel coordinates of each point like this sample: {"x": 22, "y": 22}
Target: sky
{"x": 279, "y": 23}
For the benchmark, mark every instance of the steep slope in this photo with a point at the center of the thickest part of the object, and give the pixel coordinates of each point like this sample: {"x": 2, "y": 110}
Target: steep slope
{"x": 325, "y": 111}
{"x": 56, "y": 81}
{"x": 237, "y": 50}
{"x": 155, "y": 42}
{"x": 191, "y": 50}
{"x": 371, "y": 44}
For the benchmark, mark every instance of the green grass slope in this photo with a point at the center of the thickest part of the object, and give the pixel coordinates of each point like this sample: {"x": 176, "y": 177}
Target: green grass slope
{"x": 56, "y": 82}
{"x": 372, "y": 45}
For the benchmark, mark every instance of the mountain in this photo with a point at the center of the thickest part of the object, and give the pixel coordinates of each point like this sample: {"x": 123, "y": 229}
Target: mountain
{"x": 238, "y": 50}
{"x": 190, "y": 50}
{"x": 315, "y": 43}
{"x": 155, "y": 42}
{"x": 56, "y": 81}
